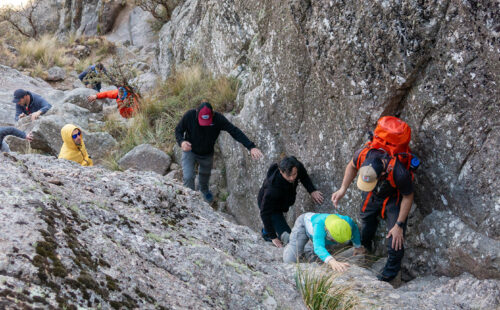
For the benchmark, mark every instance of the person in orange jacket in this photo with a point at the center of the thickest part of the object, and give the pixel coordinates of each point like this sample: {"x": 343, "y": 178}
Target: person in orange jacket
{"x": 126, "y": 99}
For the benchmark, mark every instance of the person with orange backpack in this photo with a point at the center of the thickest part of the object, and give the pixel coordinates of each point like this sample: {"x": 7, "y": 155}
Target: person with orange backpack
{"x": 126, "y": 99}
{"x": 385, "y": 167}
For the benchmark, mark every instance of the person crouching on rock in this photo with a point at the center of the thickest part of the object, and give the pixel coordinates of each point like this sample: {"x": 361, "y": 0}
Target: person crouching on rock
{"x": 323, "y": 230}
{"x": 28, "y": 103}
{"x": 196, "y": 134}
{"x": 73, "y": 147}
{"x": 91, "y": 76}
{"x": 278, "y": 193}
{"x": 12, "y": 131}
{"x": 126, "y": 99}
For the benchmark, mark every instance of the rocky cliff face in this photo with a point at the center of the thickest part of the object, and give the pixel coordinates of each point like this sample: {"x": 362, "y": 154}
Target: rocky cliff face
{"x": 95, "y": 17}
{"x": 88, "y": 17}
{"x": 316, "y": 76}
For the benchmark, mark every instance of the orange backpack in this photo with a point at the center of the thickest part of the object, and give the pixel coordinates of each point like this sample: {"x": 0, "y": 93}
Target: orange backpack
{"x": 391, "y": 135}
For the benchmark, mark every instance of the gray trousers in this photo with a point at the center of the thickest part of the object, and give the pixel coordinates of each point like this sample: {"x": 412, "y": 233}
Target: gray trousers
{"x": 298, "y": 247}
{"x": 204, "y": 169}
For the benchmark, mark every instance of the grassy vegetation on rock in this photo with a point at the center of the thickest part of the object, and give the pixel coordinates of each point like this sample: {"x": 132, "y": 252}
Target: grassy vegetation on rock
{"x": 319, "y": 291}
{"x": 161, "y": 110}
{"x": 36, "y": 56}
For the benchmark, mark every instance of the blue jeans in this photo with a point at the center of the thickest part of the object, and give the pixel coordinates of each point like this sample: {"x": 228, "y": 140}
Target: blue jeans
{"x": 280, "y": 226}
{"x": 204, "y": 170}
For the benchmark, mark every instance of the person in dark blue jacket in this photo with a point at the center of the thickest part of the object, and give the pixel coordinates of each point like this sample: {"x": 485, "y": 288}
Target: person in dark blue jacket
{"x": 29, "y": 103}
{"x": 91, "y": 76}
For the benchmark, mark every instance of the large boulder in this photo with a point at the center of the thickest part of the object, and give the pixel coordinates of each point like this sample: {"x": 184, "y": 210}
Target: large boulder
{"x": 17, "y": 144}
{"x": 145, "y": 157}
{"x": 47, "y": 132}
{"x": 55, "y": 74}
{"x": 133, "y": 27}
{"x": 99, "y": 144}
{"x": 445, "y": 243}
{"x": 92, "y": 17}
{"x": 146, "y": 82}
{"x": 88, "y": 237}
{"x": 69, "y": 112}
{"x": 79, "y": 96}
{"x": 317, "y": 75}
{"x": 428, "y": 292}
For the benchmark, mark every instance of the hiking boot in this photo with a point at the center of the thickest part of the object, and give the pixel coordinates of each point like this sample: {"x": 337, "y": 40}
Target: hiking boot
{"x": 381, "y": 277}
{"x": 285, "y": 238}
{"x": 208, "y": 197}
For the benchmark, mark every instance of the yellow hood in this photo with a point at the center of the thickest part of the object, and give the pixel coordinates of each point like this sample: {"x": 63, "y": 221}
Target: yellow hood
{"x": 70, "y": 150}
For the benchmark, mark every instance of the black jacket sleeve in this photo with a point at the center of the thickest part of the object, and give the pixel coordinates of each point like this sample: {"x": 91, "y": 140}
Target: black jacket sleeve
{"x": 305, "y": 179}
{"x": 266, "y": 210}
{"x": 181, "y": 128}
{"x": 234, "y": 131}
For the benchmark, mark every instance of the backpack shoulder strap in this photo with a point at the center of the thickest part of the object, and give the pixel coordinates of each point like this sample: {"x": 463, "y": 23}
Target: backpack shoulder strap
{"x": 362, "y": 155}
{"x": 390, "y": 171}
{"x": 392, "y": 163}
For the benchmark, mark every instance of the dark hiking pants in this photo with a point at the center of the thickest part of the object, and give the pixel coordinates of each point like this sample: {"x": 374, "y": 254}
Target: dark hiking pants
{"x": 280, "y": 226}
{"x": 204, "y": 170}
{"x": 370, "y": 210}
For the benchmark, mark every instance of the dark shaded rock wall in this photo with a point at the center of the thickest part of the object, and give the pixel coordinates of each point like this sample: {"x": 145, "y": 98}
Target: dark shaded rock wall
{"x": 316, "y": 75}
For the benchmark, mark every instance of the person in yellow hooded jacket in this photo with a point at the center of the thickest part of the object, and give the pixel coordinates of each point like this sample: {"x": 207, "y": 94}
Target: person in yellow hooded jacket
{"x": 73, "y": 147}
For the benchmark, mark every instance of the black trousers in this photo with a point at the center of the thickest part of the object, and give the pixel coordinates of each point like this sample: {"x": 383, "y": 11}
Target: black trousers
{"x": 280, "y": 226}
{"x": 369, "y": 213}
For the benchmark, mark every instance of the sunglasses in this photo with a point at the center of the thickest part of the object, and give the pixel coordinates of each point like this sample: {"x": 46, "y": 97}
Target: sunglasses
{"x": 76, "y": 135}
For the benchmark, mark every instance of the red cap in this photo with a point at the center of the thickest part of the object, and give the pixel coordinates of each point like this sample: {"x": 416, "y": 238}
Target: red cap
{"x": 205, "y": 116}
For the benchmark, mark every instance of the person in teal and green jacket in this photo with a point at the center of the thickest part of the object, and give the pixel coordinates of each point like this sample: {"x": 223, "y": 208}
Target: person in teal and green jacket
{"x": 323, "y": 230}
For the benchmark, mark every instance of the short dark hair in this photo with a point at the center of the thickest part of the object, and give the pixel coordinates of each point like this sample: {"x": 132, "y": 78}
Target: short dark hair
{"x": 99, "y": 66}
{"x": 205, "y": 103}
{"x": 286, "y": 164}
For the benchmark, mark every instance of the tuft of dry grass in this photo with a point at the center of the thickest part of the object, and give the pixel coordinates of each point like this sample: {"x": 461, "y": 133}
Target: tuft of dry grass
{"x": 37, "y": 56}
{"x": 46, "y": 51}
{"x": 83, "y": 64}
{"x": 320, "y": 292}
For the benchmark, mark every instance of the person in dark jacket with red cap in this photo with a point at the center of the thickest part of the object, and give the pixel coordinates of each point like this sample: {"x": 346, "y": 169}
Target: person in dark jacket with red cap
{"x": 196, "y": 134}
{"x": 277, "y": 195}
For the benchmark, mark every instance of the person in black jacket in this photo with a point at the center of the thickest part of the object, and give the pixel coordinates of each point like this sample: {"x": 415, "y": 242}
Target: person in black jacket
{"x": 278, "y": 193}
{"x": 196, "y": 134}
